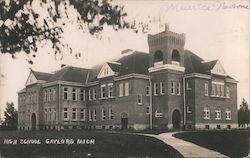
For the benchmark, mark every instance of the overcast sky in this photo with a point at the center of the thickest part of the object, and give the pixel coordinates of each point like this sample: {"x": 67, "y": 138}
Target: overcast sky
{"x": 214, "y": 30}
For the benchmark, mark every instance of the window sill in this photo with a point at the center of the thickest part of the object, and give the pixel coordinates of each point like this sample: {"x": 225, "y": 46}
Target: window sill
{"x": 103, "y": 98}
{"x": 222, "y": 97}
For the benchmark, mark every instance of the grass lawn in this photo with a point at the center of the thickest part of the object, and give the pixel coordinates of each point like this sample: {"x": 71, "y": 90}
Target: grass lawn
{"x": 233, "y": 143}
{"x": 106, "y": 144}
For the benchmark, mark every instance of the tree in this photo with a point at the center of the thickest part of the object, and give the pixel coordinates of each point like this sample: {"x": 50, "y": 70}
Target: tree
{"x": 24, "y": 24}
{"x": 243, "y": 114}
{"x": 10, "y": 117}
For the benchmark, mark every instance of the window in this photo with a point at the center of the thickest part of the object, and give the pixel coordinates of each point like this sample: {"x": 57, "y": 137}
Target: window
{"x": 178, "y": 88}
{"x": 54, "y": 94}
{"x": 147, "y": 110}
{"x": 147, "y": 91}
{"x": 172, "y": 87}
{"x": 139, "y": 99}
{"x": 82, "y": 114}
{"x": 49, "y": 98}
{"x": 65, "y": 113}
{"x": 227, "y": 92}
{"x": 158, "y": 114}
{"x": 45, "y": 96}
{"x": 94, "y": 94}
{"x": 111, "y": 114}
{"x": 90, "y": 115}
{"x": 126, "y": 89}
{"x": 228, "y": 114}
{"x": 158, "y": 58}
{"x": 189, "y": 110}
{"x": 103, "y": 91}
{"x": 103, "y": 114}
{"x": 65, "y": 93}
{"x": 55, "y": 114}
{"x": 213, "y": 90}
{"x": 217, "y": 114}
{"x": 155, "y": 89}
{"x": 50, "y": 113}
{"x": 188, "y": 86}
{"x": 222, "y": 90}
{"x": 206, "y": 89}
{"x": 94, "y": 115}
{"x": 110, "y": 90}
{"x": 206, "y": 126}
{"x": 90, "y": 95}
{"x": 120, "y": 90}
{"x": 218, "y": 126}
{"x": 45, "y": 115}
{"x": 218, "y": 90}
{"x": 73, "y": 113}
{"x": 106, "y": 71}
{"x": 206, "y": 113}
{"x": 162, "y": 90}
{"x": 82, "y": 95}
{"x": 175, "y": 56}
{"x": 74, "y": 94}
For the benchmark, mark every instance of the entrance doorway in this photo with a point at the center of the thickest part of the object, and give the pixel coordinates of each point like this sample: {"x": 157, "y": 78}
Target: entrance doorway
{"x": 176, "y": 119}
{"x": 124, "y": 121}
{"x": 33, "y": 121}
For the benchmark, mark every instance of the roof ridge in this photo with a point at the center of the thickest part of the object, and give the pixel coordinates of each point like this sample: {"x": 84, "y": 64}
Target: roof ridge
{"x": 210, "y": 61}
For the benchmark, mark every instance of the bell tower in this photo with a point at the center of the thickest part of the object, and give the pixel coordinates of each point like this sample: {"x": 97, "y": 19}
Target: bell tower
{"x": 166, "y": 48}
{"x": 166, "y": 68}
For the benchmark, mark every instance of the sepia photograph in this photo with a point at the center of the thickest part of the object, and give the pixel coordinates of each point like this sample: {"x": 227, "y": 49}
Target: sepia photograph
{"x": 124, "y": 79}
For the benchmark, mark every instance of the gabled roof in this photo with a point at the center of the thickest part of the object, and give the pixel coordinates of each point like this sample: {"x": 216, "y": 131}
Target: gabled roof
{"x": 70, "y": 74}
{"x": 209, "y": 65}
{"x": 136, "y": 62}
{"x": 114, "y": 66}
{"x": 41, "y": 75}
{"x": 192, "y": 63}
{"x": 128, "y": 63}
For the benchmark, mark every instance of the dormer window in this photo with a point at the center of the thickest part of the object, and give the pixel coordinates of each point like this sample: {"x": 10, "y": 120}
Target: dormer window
{"x": 158, "y": 58}
{"x": 175, "y": 57}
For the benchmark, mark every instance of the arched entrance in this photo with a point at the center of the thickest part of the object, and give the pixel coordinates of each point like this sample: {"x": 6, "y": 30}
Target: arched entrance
{"x": 124, "y": 120}
{"x": 33, "y": 121}
{"x": 176, "y": 119}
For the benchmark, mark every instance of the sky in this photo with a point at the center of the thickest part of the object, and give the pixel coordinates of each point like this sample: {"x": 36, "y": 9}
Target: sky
{"x": 213, "y": 29}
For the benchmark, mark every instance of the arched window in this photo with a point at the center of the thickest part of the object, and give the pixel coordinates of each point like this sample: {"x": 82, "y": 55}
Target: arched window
{"x": 206, "y": 112}
{"x": 158, "y": 58}
{"x": 175, "y": 56}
